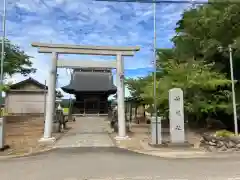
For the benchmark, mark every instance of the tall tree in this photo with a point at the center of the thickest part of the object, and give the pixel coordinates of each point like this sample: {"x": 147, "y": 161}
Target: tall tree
{"x": 195, "y": 63}
{"x": 205, "y": 91}
{"x": 135, "y": 85}
{"x": 202, "y": 30}
{"x": 16, "y": 60}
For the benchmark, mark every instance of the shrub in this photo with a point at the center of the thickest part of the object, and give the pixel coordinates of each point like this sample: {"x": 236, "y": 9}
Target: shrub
{"x": 224, "y": 133}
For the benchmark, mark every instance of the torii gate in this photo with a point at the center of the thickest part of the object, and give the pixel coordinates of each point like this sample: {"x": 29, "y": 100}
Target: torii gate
{"x": 56, "y": 49}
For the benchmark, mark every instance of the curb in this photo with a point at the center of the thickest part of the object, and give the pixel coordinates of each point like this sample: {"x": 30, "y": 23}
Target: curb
{"x": 196, "y": 155}
{"x": 169, "y": 156}
{"x": 26, "y": 154}
{"x": 182, "y": 154}
{"x": 166, "y": 155}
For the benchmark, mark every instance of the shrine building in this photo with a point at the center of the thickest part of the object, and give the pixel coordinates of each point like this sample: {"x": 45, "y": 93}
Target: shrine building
{"x": 91, "y": 87}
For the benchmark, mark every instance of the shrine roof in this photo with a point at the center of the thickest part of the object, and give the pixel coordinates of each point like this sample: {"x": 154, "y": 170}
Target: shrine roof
{"x": 88, "y": 81}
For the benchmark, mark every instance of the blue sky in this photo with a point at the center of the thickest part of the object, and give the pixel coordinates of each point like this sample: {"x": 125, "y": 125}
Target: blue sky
{"x": 87, "y": 22}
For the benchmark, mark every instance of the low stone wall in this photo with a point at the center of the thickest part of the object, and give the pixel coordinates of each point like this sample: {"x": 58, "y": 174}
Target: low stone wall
{"x": 22, "y": 118}
{"x": 220, "y": 144}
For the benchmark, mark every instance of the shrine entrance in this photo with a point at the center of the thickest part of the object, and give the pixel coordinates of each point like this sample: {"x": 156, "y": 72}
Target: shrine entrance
{"x": 91, "y": 88}
{"x": 91, "y": 106}
{"x": 118, "y": 64}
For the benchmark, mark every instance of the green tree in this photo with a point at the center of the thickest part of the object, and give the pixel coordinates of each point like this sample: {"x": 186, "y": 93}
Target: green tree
{"x": 135, "y": 85}
{"x": 195, "y": 63}
{"x": 16, "y": 60}
{"x": 205, "y": 91}
{"x": 202, "y": 30}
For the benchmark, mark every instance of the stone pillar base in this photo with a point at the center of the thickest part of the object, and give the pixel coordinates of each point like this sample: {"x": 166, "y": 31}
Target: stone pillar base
{"x": 119, "y": 138}
{"x": 50, "y": 140}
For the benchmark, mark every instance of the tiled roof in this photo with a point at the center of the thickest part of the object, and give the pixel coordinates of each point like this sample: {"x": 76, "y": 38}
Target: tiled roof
{"x": 90, "y": 81}
{"x": 29, "y": 80}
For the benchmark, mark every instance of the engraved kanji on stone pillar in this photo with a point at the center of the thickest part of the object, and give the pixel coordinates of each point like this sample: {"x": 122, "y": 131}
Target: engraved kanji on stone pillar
{"x": 176, "y": 115}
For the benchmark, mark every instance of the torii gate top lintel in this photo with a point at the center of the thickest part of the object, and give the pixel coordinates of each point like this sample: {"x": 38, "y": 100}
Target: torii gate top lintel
{"x": 89, "y": 50}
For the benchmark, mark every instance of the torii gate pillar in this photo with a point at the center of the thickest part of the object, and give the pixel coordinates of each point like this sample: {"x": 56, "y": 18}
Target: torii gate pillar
{"x": 50, "y": 101}
{"x": 120, "y": 98}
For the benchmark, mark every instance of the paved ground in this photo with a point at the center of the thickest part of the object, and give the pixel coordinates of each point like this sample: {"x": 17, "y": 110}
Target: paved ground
{"x": 93, "y": 132}
{"x": 91, "y": 155}
{"x": 112, "y": 163}
{"x": 87, "y": 132}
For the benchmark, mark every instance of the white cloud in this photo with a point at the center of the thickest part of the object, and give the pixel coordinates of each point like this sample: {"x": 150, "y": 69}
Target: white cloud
{"x": 90, "y": 23}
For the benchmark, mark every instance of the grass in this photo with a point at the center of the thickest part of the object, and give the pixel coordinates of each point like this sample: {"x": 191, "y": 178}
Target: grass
{"x": 65, "y": 110}
{"x": 3, "y": 112}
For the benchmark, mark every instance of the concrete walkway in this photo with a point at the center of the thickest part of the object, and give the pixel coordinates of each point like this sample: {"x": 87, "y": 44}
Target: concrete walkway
{"x": 87, "y": 132}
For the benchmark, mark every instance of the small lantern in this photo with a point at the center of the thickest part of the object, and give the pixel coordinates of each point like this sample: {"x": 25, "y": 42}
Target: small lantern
{"x": 59, "y": 107}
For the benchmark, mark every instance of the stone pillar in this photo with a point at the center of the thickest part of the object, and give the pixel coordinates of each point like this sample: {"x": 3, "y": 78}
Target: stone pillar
{"x": 176, "y": 115}
{"x": 2, "y": 131}
{"x": 156, "y": 131}
{"x": 120, "y": 98}
{"x": 50, "y": 104}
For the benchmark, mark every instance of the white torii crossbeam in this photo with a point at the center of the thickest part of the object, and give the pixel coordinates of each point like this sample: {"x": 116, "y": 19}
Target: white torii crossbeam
{"x": 89, "y": 50}
{"x": 56, "y": 49}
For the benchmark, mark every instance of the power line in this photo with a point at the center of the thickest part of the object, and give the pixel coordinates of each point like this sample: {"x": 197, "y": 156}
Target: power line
{"x": 173, "y": 2}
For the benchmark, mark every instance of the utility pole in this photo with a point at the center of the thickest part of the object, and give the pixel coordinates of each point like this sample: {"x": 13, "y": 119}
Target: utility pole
{"x": 2, "y": 120}
{"x": 3, "y": 52}
{"x": 230, "y": 49}
{"x": 155, "y": 70}
{"x": 233, "y": 91}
